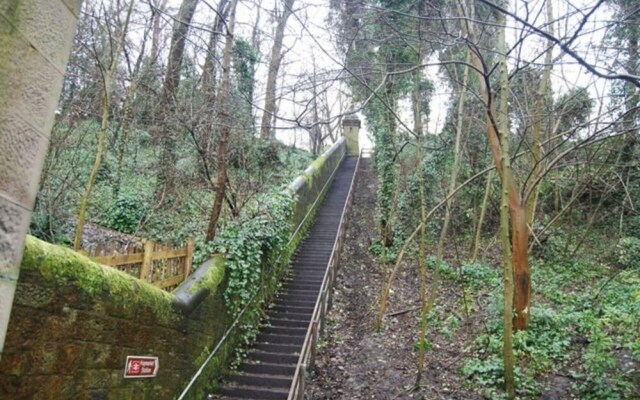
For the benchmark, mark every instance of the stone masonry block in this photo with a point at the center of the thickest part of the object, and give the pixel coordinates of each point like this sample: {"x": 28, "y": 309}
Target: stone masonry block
{"x": 35, "y": 296}
{"x": 14, "y": 222}
{"x": 74, "y": 6}
{"x": 7, "y": 289}
{"x": 22, "y": 152}
{"x": 15, "y": 362}
{"x": 30, "y": 84}
{"x": 49, "y": 26}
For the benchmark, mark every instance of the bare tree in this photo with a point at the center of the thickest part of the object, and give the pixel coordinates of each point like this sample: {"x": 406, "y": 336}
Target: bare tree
{"x": 107, "y": 73}
{"x": 274, "y": 66}
{"x": 225, "y": 125}
{"x": 166, "y": 130}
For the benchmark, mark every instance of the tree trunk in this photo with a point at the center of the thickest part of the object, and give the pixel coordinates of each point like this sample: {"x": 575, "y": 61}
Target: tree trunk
{"x": 107, "y": 81}
{"x": 127, "y": 117}
{"x": 422, "y": 249}
{"x": 124, "y": 138}
{"x": 209, "y": 68}
{"x": 255, "y": 42}
{"x": 453, "y": 182}
{"x": 483, "y": 211}
{"x": 167, "y": 130}
{"x": 157, "y": 9}
{"x": 517, "y": 205}
{"x": 519, "y": 249}
{"x": 225, "y": 126}
{"x": 208, "y": 88}
{"x": 631, "y": 92}
{"x": 385, "y": 160}
{"x": 274, "y": 66}
{"x": 536, "y": 145}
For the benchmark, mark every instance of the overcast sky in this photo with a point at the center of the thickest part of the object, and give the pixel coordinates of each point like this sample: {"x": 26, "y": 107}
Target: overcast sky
{"x": 307, "y": 38}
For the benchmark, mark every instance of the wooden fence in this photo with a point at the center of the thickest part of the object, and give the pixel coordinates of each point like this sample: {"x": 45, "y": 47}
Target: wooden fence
{"x": 161, "y": 265}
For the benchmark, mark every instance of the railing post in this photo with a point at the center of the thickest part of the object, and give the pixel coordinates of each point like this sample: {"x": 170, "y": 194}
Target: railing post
{"x": 312, "y": 349}
{"x": 303, "y": 378}
{"x": 189, "y": 257}
{"x": 149, "y": 246}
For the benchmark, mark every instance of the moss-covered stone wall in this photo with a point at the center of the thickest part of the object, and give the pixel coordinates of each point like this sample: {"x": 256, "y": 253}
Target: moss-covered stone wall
{"x": 309, "y": 186}
{"x": 74, "y": 322}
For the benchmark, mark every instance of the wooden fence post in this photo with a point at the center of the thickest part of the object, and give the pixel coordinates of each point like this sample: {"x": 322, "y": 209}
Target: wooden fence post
{"x": 189, "y": 257}
{"x": 149, "y": 246}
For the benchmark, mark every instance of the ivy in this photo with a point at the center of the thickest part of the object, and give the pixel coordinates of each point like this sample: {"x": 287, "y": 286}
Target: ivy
{"x": 258, "y": 239}
{"x": 125, "y": 215}
{"x": 628, "y": 252}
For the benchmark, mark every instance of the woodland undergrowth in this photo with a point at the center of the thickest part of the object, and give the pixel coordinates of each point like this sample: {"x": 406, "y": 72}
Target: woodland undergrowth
{"x": 584, "y": 324}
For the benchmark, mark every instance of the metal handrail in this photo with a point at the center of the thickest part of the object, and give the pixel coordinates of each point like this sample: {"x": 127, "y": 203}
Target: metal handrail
{"x": 215, "y": 350}
{"x": 296, "y": 391}
{"x": 235, "y": 322}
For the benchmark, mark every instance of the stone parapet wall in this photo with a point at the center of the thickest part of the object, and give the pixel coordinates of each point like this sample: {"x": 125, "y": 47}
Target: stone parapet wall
{"x": 310, "y": 184}
{"x": 74, "y": 322}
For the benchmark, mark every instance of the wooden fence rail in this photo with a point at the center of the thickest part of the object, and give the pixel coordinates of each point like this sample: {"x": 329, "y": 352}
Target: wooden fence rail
{"x": 161, "y": 265}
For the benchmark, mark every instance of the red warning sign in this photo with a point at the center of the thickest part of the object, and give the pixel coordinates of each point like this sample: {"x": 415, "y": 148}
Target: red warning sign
{"x": 141, "y": 367}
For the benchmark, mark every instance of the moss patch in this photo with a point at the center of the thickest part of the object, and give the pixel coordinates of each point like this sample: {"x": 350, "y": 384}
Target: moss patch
{"x": 213, "y": 278}
{"x": 317, "y": 165}
{"x": 59, "y": 266}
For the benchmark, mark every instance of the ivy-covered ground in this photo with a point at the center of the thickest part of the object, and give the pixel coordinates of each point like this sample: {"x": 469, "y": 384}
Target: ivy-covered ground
{"x": 583, "y": 342}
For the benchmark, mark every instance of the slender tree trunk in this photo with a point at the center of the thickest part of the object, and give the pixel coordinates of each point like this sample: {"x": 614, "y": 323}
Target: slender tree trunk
{"x": 274, "y": 66}
{"x": 168, "y": 130}
{"x": 483, "y": 212}
{"x": 507, "y": 345}
{"x": 209, "y": 72}
{"x": 225, "y": 126}
{"x": 210, "y": 61}
{"x": 107, "y": 81}
{"x": 508, "y": 262}
{"x": 255, "y": 42}
{"x": 124, "y": 138}
{"x": 422, "y": 249}
{"x": 127, "y": 117}
{"x": 507, "y": 320}
{"x": 453, "y": 182}
{"x": 538, "y": 126}
{"x": 385, "y": 160}
{"x": 315, "y": 132}
{"x": 517, "y": 206}
{"x": 631, "y": 92}
{"x": 157, "y": 8}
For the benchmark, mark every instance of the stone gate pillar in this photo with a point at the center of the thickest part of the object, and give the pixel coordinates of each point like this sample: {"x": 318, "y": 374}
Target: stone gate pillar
{"x": 35, "y": 41}
{"x": 351, "y": 129}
